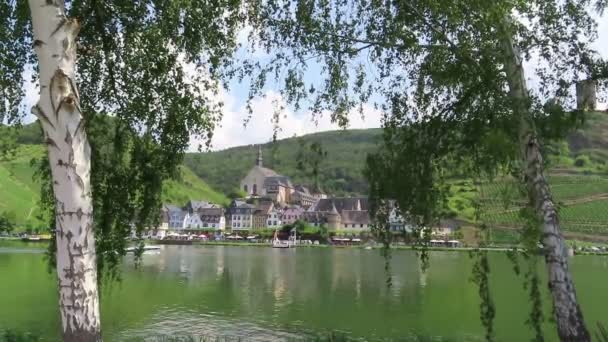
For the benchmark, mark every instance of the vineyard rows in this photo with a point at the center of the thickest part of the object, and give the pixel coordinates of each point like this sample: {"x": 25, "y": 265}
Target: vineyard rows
{"x": 500, "y": 203}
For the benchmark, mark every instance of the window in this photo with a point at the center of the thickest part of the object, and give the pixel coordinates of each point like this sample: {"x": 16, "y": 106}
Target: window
{"x": 245, "y": 187}
{"x": 353, "y": 225}
{"x": 255, "y": 189}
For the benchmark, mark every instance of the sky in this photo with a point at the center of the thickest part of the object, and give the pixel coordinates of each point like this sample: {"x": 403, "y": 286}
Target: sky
{"x": 232, "y": 130}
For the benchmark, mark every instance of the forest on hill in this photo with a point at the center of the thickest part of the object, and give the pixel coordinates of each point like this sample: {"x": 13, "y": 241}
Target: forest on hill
{"x": 340, "y": 170}
{"x": 584, "y": 152}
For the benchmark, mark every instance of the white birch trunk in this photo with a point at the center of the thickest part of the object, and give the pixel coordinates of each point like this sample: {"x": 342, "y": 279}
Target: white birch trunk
{"x": 568, "y": 315}
{"x": 69, "y": 155}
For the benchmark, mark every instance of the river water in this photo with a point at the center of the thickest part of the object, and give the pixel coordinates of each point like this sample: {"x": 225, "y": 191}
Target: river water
{"x": 265, "y": 294}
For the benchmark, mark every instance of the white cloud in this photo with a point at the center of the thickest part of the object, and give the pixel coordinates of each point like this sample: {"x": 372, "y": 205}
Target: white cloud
{"x": 235, "y": 128}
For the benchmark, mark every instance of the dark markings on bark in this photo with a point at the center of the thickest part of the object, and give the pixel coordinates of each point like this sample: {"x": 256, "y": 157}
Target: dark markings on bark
{"x": 87, "y": 232}
{"x": 79, "y": 127}
{"x": 43, "y": 116}
{"x": 82, "y": 336}
{"x": 51, "y": 94}
{"x": 79, "y": 213}
{"x": 80, "y": 182}
{"x": 68, "y": 137}
{"x": 59, "y": 26}
{"x": 74, "y": 90}
{"x": 51, "y": 142}
{"x": 69, "y": 102}
{"x": 38, "y": 43}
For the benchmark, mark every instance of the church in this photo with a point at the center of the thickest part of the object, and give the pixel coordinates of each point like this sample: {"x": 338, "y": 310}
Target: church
{"x": 264, "y": 182}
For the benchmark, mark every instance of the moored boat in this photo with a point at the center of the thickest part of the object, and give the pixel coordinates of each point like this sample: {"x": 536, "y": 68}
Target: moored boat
{"x": 146, "y": 248}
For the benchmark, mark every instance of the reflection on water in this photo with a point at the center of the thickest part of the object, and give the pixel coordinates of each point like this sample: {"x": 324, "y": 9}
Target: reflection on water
{"x": 265, "y": 294}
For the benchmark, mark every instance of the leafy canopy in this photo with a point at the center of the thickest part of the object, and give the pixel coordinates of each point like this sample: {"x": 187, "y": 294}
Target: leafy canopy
{"x": 148, "y": 72}
{"x": 436, "y": 69}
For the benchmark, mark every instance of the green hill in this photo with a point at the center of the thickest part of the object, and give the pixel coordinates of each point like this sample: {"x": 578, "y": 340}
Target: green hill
{"x": 585, "y": 151}
{"x": 578, "y": 173}
{"x": 190, "y": 186}
{"x": 19, "y": 193}
{"x": 341, "y": 170}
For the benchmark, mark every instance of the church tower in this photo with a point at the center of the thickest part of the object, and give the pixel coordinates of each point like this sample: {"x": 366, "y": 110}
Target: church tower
{"x": 258, "y": 162}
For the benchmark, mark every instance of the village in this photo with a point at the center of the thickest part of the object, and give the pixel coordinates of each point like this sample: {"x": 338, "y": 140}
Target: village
{"x": 273, "y": 203}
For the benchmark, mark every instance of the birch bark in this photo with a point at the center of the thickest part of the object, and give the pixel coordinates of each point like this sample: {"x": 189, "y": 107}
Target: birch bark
{"x": 568, "y": 315}
{"x": 59, "y": 113}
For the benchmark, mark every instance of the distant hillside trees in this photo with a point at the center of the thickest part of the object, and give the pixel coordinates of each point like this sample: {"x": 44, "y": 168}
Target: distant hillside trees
{"x": 7, "y": 222}
{"x": 341, "y": 168}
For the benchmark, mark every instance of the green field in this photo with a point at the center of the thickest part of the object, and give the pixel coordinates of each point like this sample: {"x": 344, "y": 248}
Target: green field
{"x": 19, "y": 193}
{"x": 188, "y": 187}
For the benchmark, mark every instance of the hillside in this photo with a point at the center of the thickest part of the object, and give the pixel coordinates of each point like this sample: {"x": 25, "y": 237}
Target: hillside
{"x": 341, "y": 170}
{"x": 190, "y": 186}
{"x": 578, "y": 173}
{"x": 19, "y": 193}
{"x": 585, "y": 151}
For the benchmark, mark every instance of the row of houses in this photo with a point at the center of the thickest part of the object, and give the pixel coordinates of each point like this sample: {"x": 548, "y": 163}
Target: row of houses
{"x": 346, "y": 213}
{"x": 272, "y": 201}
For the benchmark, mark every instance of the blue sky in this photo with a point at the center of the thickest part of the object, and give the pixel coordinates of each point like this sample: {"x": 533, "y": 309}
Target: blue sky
{"x": 232, "y": 131}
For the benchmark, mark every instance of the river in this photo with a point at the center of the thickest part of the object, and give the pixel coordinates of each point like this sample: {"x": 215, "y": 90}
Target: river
{"x": 265, "y": 294}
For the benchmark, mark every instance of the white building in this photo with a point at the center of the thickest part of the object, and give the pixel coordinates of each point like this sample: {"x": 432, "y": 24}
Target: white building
{"x": 193, "y": 221}
{"x": 274, "y": 219}
{"x": 241, "y": 215}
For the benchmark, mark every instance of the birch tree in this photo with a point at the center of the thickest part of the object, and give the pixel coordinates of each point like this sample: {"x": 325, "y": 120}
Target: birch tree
{"x": 123, "y": 86}
{"x": 450, "y": 78}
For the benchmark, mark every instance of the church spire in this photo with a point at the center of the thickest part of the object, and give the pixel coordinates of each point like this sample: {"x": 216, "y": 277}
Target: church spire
{"x": 259, "y": 160}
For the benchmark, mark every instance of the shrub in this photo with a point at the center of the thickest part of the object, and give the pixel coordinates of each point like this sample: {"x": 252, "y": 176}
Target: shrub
{"x": 582, "y": 160}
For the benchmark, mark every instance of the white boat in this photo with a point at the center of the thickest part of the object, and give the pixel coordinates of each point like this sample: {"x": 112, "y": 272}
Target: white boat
{"x": 146, "y": 248}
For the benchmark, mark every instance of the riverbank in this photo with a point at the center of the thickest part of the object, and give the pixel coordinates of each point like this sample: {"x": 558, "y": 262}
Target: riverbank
{"x": 18, "y": 243}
